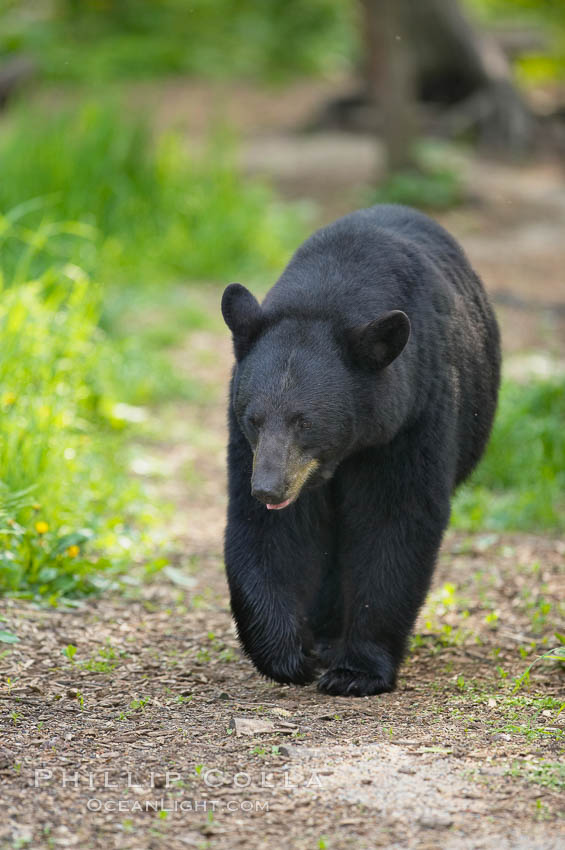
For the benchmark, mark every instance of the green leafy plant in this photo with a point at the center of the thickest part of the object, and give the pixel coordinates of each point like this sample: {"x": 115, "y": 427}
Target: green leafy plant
{"x": 557, "y": 654}
{"x": 70, "y": 652}
{"x": 80, "y": 193}
{"x": 92, "y": 187}
{"x": 513, "y": 488}
{"x": 428, "y": 188}
{"x": 533, "y": 66}
{"x": 87, "y": 41}
{"x": 59, "y": 388}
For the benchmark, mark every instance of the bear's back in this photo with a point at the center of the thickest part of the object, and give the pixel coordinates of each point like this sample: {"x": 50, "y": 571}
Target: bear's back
{"x": 382, "y": 258}
{"x": 390, "y": 257}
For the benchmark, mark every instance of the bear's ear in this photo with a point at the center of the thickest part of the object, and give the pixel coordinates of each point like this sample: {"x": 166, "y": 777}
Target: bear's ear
{"x": 376, "y": 344}
{"x": 243, "y": 316}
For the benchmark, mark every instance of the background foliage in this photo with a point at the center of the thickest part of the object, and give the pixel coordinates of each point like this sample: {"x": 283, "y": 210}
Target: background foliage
{"x": 132, "y": 191}
{"x": 205, "y": 37}
{"x": 84, "y": 238}
{"x": 548, "y": 17}
{"x": 88, "y": 41}
{"x": 100, "y": 216}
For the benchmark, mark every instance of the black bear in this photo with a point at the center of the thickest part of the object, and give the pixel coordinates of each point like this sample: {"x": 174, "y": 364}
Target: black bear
{"x": 363, "y": 393}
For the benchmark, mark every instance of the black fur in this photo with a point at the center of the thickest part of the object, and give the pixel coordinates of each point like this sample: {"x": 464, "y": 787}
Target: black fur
{"x": 377, "y": 355}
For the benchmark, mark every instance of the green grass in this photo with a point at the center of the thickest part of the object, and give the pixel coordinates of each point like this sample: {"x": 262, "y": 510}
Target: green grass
{"x": 62, "y": 486}
{"x": 428, "y": 189}
{"x": 72, "y": 518}
{"x": 520, "y": 484}
{"x": 548, "y": 774}
{"x": 435, "y": 181}
{"x": 130, "y": 208}
{"x": 86, "y": 41}
{"x": 100, "y": 227}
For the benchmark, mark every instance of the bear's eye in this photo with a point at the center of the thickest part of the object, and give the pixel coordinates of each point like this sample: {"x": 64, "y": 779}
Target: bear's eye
{"x": 255, "y": 421}
{"x": 302, "y": 423}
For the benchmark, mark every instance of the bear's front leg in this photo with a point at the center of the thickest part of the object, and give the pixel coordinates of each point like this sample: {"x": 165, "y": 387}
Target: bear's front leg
{"x": 274, "y": 560}
{"x": 390, "y": 525}
{"x": 270, "y": 627}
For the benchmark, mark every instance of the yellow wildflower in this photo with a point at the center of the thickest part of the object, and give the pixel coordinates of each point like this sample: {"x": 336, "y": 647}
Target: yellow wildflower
{"x": 8, "y": 398}
{"x": 73, "y": 551}
{"x": 41, "y": 527}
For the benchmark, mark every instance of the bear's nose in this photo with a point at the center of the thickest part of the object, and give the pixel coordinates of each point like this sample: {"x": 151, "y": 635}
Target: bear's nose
{"x": 268, "y": 497}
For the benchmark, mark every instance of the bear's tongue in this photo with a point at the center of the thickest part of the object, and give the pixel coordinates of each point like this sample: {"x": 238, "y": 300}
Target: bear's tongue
{"x": 279, "y": 507}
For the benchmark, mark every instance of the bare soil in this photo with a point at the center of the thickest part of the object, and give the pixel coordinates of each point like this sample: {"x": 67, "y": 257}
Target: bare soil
{"x": 159, "y": 734}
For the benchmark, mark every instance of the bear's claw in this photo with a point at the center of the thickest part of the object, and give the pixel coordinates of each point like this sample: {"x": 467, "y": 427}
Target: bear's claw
{"x": 353, "y": 683}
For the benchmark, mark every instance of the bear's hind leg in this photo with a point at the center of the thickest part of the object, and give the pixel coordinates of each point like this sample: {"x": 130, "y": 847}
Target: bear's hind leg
{"x": 326, "y": 615}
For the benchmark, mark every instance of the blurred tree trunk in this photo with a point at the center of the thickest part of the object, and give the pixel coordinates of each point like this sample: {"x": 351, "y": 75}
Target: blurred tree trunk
{"x": 390, "y": 76}
{"x": 426, "y": 62}
{"x": 14, "y": 73}
{"x": 466, "y": 69}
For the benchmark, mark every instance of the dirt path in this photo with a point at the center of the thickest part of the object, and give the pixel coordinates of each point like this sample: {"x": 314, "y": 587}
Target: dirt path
{"x": 454, "y": 758}
{"x": 158, "y": 734}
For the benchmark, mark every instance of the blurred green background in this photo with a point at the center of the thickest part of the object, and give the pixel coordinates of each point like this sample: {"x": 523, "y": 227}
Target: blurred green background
{"x": 142, "y": 166}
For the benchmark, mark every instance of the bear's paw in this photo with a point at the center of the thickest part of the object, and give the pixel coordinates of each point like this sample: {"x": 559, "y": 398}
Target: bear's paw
{"x": 293, "y": 668}
{"x": 341, "y": 681}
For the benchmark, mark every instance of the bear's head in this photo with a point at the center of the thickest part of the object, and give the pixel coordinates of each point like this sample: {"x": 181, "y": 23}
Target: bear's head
{"x": 300, "y": 390}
